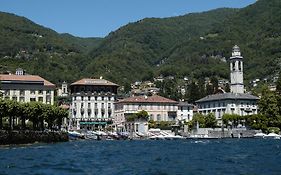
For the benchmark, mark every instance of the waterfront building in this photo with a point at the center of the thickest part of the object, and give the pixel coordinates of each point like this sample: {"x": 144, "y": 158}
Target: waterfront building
{"x": 26, "y": 88}
{"x": 92, "y": 103}
{"x": 63, "y": 91}
{"x": 184, "y": 112}
{"x": 235, "y": 102}
{"x": 157, "y": 107}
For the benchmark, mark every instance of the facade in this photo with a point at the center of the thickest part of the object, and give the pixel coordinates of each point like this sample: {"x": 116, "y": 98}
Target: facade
{"x": 185, "y": 111}
{"x": 26, "y": 88}
{"x": 92, "y": 103}
{"x": 235, "y": 102}
{"x": 157, "y": 107}
{"x": 63, "y": 91}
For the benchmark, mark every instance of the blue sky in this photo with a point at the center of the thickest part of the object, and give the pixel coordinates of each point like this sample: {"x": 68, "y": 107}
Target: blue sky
{"x": 96, "y": 18}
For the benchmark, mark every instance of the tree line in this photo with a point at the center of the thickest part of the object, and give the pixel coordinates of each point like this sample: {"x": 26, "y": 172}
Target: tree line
{"x": 34, "y": 115}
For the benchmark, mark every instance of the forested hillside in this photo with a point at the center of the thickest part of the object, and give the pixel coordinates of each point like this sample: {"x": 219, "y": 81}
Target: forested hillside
{"x": 195, "y": 45}
{"x": 40, "y": 50}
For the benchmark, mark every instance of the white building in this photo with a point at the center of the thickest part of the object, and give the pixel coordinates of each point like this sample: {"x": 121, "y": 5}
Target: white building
{"x": 185, "y": 111}
{"x": 92, "y": 105}
{"x": 26, "y": 88}
{"x": 235, "y": 102}
{"x": 63, "y": 91}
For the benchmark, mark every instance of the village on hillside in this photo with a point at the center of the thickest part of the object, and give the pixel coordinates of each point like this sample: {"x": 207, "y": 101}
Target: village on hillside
{"x": 95, "y": 106}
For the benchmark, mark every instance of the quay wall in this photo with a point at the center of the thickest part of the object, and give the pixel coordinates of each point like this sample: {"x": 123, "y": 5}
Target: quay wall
{"x": 25, "y": 137}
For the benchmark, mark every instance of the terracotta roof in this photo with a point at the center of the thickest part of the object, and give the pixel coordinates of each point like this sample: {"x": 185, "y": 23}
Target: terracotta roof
{"x": 35, "y": 78}
{"x": 147, "y": 99}
{"x": 89, "y": 81}
{"x": 64, "y": 106}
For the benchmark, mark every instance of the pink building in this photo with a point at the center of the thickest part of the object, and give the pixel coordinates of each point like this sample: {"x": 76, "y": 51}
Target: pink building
{"x": 158, "y": 108}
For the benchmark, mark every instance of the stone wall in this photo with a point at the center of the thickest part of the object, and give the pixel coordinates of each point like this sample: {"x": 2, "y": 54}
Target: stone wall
{"x": 24, "y": 137}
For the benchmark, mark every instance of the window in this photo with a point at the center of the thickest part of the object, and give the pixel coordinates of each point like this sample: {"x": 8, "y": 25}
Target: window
{"x": 233, "y": 66}
{"x": 22, "y": 92}
{"x": 14, "y": 98}
{"x": 21, "y": 99}
{"x": 151, "y": 117}
{"x": 7, "y": 92}
{"x": 40, "y": 99}
{"x": 32, "y": 99}
{"x": 158, "y": 117}
{"x": 40, "y": 92}
{"x": 89, "y": 98}
{"x": 239, "y": 65}
{"x": 48, "y": 92}
{"x": 48, "y": 99}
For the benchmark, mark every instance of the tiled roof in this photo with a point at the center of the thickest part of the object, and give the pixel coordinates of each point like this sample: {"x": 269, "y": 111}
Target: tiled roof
{"x": 32, "y": 78}
{"x": 147, "y": 99}
{"x": 184, "y": 104}
{"x": 231, "y": 96}
{"x": 89, "y": 81}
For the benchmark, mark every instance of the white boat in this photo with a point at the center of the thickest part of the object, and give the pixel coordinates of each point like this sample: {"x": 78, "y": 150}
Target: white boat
{"x": 91, "y": 135}
{"x": 260, "y": 135}
{"x": 75, "y": 135}
{"x": 273, "y": 136}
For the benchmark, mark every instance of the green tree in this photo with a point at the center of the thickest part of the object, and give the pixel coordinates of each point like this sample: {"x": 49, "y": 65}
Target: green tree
{"x": 210, "y": 121}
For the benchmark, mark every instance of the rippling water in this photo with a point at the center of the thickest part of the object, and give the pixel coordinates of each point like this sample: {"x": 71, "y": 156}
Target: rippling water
{"x": 233, "y": 156}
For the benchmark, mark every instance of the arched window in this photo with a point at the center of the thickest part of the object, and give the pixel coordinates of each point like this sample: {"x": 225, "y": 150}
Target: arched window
{"x": 158, "y": 117}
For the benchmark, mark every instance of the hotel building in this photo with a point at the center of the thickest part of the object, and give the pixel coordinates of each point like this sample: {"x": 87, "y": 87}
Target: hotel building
{"x": 92, "y": 105}
{"x": 26, "y": 88}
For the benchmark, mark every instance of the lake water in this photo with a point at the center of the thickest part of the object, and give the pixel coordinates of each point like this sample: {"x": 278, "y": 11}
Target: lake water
{"x": 222, "y": 156}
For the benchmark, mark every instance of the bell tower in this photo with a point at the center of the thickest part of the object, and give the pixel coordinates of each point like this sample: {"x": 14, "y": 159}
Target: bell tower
{"x": 236, "y": 71}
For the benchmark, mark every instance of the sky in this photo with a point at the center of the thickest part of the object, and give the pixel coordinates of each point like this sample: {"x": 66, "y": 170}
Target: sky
{"x": 97, "y": 18}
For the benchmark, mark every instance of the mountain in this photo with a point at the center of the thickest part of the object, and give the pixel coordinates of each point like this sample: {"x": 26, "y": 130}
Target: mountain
{"x": 256, "y": 29}
{"x": 134, "y": 51}
{"x": 40, "y": 50}
{"x": 195, "y": 45}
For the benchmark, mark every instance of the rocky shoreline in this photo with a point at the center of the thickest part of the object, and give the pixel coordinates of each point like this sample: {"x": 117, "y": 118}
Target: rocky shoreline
{"x": 25, "y": 137}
